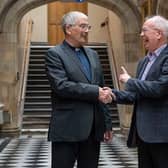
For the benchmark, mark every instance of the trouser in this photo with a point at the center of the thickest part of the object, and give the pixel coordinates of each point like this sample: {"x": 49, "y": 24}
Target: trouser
{"x": 86, "y": 153}
{"x": 152, "y": 155}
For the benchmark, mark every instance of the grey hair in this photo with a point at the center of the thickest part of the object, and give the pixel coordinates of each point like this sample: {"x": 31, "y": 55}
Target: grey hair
{"x": 70, "y": 18}
{"x": 159, "y": 23}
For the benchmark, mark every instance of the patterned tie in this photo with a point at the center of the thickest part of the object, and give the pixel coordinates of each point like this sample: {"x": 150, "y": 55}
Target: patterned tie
{"x": 84, "y": 61}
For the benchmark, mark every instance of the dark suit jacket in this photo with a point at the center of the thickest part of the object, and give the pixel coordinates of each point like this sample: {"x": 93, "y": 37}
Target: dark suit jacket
{"x": 74, "y": 98}
{"x": 150, "y": 99}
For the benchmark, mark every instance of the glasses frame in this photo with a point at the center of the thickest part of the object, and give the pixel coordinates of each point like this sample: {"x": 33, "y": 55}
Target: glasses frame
{"x": 83, "y": 26}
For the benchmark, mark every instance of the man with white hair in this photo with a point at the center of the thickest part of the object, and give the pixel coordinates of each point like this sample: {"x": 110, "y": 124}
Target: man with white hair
{"x": 148, "y": 92}
{"x": 80, "y": 119}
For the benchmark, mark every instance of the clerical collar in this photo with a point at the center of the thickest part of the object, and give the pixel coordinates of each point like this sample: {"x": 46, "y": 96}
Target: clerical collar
{"x": 73, "y": 48}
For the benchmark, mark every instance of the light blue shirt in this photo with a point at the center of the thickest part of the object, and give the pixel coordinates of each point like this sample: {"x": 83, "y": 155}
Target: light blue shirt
{"x": 152, "y": 57}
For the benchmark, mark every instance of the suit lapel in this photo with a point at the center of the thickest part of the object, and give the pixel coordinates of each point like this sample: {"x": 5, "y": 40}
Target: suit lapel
{"x": 163, "y": 53}
{"x": 142, "y": 67}
{"x": 73, "y": 59}
{"x": 156, "y": 62}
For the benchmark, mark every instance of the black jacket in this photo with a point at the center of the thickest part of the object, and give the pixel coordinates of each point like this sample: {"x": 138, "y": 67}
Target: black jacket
{"x": 74, "y": 98}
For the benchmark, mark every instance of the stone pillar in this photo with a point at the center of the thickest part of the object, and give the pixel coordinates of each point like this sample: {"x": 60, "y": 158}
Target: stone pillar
{"x": 1, "y": 114}
{"x": 8, "y": 83}
{"x": 133, "y": 53}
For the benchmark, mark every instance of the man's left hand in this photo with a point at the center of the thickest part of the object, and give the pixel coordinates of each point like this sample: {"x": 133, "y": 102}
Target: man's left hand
{"x": 124, "y": 76}
{"x": 108, "y": 135}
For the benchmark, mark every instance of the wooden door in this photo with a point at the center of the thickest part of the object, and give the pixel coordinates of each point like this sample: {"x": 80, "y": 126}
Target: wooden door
{"x": 55, "y": 12}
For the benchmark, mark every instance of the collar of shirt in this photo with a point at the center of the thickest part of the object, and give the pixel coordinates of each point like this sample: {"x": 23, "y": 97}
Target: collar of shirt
{"x": 153, "y": 55}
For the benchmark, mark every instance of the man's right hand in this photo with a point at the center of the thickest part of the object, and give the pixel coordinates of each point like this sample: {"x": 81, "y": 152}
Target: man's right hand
{"x": 105, "y": 95}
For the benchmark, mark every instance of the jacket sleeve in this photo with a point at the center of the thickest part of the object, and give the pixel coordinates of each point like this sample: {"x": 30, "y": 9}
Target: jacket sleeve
{"x": 125, "y": 97}
{"x": 108, "y": 117}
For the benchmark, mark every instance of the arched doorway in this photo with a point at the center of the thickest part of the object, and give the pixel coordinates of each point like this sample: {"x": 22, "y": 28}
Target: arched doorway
{"x": 10, "y": 18}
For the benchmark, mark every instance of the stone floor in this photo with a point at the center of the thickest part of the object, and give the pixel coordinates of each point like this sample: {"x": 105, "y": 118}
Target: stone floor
{"x": 34, "y": 152}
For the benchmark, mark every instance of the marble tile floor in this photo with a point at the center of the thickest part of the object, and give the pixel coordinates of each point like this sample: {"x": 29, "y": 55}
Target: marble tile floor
{"x": 34, "y": 152}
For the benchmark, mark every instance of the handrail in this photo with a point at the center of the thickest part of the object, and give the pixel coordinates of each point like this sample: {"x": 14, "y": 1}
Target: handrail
{"x": 25, "y": 64}
{"x": 111, "y": 54}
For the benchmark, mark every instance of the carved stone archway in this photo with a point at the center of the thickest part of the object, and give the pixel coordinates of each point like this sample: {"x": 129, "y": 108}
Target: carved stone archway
{"x": 11, "y": 13}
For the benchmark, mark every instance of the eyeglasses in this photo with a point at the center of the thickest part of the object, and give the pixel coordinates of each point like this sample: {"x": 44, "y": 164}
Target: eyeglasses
{"x": 149, "y": 29}
{"x": 83, "y": 26}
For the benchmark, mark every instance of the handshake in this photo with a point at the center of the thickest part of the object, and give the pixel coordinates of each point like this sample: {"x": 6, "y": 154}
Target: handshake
{"x": 106, "y": 95}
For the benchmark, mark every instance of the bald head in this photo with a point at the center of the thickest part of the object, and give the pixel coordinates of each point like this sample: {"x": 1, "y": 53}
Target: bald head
{"x": 160, "y": 23}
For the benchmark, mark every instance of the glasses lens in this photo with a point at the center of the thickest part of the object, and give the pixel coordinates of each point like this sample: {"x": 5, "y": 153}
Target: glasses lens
{"x": 85, "y": 26}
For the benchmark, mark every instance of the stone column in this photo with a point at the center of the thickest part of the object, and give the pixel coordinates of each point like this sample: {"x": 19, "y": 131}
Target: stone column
{"x": 133, "y": 53}
{"x": 8, "y": 83}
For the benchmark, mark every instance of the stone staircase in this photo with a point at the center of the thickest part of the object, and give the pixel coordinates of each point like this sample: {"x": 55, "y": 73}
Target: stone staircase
{"x": 37, "y": 105}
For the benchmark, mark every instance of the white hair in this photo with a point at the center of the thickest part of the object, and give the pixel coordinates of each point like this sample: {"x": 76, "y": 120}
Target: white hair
{"x": 160, "y": 23}
{"x": 71, "y": 18}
